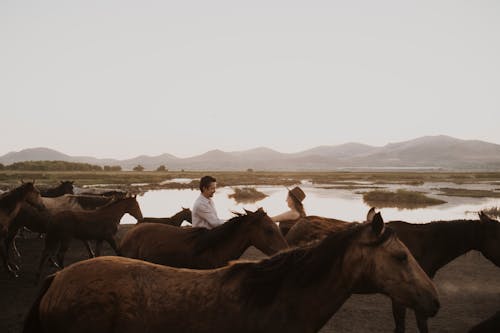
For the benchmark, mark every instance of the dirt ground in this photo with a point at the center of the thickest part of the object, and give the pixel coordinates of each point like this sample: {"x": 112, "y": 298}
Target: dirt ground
{"x": 469, "y": 289}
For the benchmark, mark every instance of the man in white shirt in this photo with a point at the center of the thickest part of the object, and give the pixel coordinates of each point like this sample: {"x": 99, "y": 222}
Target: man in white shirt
{"x": 204, "y": 214}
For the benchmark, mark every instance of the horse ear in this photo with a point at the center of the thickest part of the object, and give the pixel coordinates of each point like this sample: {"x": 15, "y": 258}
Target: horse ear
{"x": 247, "y": 211}
{"x": 377, "y": 224}
{"x": 370, "y": 214}
{"x": 236, "y": 213}
{"x": 22, "y": 181}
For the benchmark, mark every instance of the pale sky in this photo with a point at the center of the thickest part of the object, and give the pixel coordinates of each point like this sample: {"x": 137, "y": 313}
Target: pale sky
{"x": 122, "y": 78}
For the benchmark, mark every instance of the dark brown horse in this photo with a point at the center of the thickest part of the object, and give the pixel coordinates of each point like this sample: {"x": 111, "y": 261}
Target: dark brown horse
{"x": 100, "y": 224}
{"x": 199, "y": 247}
{"x": 280, "y": 294}
{"x": 37, "y": 220}
{"x": 10, "y": 204}
{"x": 433, "y": 245}
{"x": 175, "y": 220}
{"x": 64, "y": 187}
{"x": 437, "y": 243}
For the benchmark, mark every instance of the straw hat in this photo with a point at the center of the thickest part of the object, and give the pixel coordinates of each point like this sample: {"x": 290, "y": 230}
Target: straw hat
{"x": 297, "y": 193}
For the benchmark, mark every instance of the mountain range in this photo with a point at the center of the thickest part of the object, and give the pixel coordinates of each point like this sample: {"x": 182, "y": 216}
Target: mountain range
{"x": 428, "y": 152}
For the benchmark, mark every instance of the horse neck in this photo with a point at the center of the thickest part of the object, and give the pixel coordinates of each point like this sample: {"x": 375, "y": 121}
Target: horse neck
{"x": 331, "y": 293}
{"x": 54, "y": 192}
{"x": 177, "y": 218}
{"x": 294, "y": 305}
{"x": 115, "y": 210}
{"x": 11, "y": 203}
{"x": 230, "y": 247}
{"x": 445, "y": 241}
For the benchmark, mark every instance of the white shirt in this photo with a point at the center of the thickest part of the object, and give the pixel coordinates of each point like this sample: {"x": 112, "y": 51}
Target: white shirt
{"x": 204, "y": 213}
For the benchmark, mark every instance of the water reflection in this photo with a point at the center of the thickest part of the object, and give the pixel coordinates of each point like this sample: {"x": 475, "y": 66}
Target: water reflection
{"x": 342, "y": 204}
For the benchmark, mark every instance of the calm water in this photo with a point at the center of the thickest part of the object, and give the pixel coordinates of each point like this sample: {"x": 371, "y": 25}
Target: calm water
{"x": 341, "y": 204}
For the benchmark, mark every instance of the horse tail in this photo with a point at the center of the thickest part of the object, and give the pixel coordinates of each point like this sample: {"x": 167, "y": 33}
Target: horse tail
{"x": 32, "y": 322}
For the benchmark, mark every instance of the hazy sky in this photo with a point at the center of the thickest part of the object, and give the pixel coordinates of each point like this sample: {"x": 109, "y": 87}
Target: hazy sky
{"x": 123, "y": 78}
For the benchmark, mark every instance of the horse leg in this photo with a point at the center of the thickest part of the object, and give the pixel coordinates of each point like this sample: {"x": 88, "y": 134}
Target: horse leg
{"x": 62, "y": 252}
{"x": 5, "y": 260}
{"x": 10, "y": 241}
{"x": 98, "y": 247}
{"x": 422, "y": 323}
{"x": 89, "y": 249}
{"x": 399, "y": 315}
{"x": 111, "y": 241}
{"x": 49, "y": 249}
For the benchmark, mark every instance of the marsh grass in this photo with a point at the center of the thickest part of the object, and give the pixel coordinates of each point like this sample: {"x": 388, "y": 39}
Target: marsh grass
{"x": 246, "y": 195}
{"x": 492, "y": 212}
{"x": 125, "y": 179}
{"x": 399, "y": 199}
{"x": 459, "y": 192}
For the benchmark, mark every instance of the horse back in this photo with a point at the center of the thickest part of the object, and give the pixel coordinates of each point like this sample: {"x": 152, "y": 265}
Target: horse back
{"x": 158, "y": 243}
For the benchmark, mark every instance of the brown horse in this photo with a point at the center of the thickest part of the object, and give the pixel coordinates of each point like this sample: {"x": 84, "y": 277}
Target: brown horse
{"x": 37, "y": 220}
{"x": 202, "y": 248}
{"x": 175, "y": 220}
{"x": 10, "y": 204}
{"x": 433, "y": 245}
{"x": 279, "y": 294}
{"x": 64, "y": 187}
{"x": 100, "y": 224}
{"x": 313, "y": 228}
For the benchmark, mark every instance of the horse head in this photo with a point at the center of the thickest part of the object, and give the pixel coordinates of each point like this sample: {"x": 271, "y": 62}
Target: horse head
{"x": 490, "y": 240}
{"x": 264, "y": 234}
{"x": 382, "y": 262}
{"x": 187, "y": 215}
{"x": 31, "y": 194}
{"x": 132, "y": 207}
{"x": 66, "y": 187}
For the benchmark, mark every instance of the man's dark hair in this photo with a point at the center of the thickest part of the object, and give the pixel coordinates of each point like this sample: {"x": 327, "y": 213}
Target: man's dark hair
{"x": 205, "y": 181}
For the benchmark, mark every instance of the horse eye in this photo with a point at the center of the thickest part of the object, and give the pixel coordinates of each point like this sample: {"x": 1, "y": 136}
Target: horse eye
{"x": 402, "y": 257}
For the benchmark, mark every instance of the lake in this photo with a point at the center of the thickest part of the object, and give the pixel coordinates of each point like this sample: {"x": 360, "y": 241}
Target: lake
{"x": 344, "y": 204}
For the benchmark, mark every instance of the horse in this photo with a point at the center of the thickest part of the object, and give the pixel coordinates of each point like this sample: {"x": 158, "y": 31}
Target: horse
{"x": 175, "y": 220}
{"x": 277, "y": 294}
{"x": 447, "y": 240}
{"x": 433, "y": 245}
{"x": 64, "y": 187}
{"x": 199, "y": 247}
{"x": 10, "y": 204}
{"x": 37, "y": 220}
{"x": 100, "y": 224}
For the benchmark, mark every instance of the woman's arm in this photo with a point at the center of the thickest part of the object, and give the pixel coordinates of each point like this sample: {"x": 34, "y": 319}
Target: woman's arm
{"x": 289, "y": 215}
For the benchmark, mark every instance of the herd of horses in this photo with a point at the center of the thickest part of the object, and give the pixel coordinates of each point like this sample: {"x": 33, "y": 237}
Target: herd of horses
{"x": 163, "y": 273}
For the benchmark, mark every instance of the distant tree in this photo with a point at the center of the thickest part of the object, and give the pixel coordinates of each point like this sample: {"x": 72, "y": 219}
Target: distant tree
{"x": 249, "y": 170}
{"x": 182, "y": 170}
{"x": 112, "y": 168}
{"x": 52, "y": 166}
{"x": 138, "y": 168}
{"x": 2, "y": 166}
{"x": 162, "y": 168}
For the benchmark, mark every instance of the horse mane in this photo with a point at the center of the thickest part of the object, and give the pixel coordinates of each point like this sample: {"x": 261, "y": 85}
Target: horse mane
{"x": 9, "y": 200}
{"x": 113, "y": 201}
{"x": 262, "y": 280}
{"x": 205, "y": 239}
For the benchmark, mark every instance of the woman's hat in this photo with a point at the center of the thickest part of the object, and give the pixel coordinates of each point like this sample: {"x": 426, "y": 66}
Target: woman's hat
{"x": 297, "y": 193}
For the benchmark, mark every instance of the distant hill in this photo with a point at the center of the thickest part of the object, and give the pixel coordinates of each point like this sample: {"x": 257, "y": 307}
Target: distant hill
{"x": 429, "y": 152}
